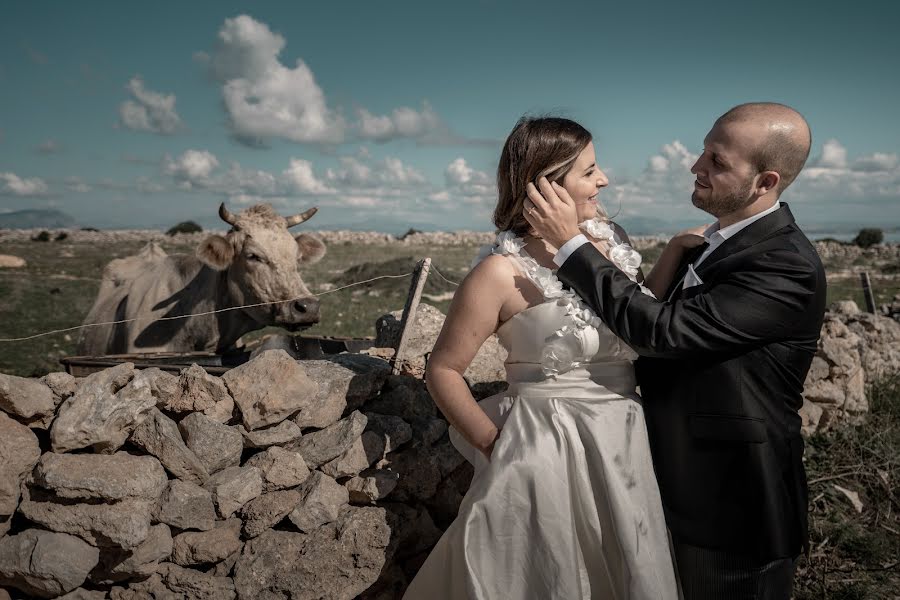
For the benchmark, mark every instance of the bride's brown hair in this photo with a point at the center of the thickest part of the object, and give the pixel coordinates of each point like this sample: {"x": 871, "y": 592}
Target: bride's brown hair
{"x": 536, "y": 147}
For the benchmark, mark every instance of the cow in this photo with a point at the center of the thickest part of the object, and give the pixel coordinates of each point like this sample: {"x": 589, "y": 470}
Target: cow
{"x": 255, "y": 263}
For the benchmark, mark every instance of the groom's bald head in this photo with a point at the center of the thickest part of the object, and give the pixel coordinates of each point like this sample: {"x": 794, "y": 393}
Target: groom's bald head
{"x": 781, "y": 135}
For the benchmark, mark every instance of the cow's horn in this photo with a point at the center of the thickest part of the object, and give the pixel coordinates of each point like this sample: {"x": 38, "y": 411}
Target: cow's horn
{"x": 304, "y": 216}
{"x": 226, "y": 215}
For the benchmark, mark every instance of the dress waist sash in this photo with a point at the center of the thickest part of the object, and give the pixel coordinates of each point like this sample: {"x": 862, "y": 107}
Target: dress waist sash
{"x": 600, "y": 380}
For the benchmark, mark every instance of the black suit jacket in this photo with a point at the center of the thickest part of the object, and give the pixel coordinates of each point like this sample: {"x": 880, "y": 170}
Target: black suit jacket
{"x": 721, "y": 371}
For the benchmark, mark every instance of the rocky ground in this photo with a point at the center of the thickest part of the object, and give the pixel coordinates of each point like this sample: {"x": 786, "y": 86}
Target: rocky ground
{"x": 282, "y": 478}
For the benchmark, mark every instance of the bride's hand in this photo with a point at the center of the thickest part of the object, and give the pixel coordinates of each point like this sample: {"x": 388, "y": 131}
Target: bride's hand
{"x": 487, "y": 451}
{"x": 690, "y": 238}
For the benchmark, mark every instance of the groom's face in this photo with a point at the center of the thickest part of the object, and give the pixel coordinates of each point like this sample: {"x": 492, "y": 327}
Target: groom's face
{"x": 725, "y": 175}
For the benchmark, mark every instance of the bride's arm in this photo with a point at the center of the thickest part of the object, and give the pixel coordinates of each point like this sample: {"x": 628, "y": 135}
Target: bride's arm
{"x": 473, "y": 316}
{"x": 663, "y": 272}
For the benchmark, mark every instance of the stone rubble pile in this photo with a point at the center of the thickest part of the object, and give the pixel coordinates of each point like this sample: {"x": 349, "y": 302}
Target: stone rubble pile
{"x": 855, "y": 348}
{"x": 282, "y": 478}
{"x": 311, "y": 479}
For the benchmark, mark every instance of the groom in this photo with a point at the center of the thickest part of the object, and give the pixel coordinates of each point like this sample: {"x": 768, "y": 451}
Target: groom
{"x": 723, "y": 356}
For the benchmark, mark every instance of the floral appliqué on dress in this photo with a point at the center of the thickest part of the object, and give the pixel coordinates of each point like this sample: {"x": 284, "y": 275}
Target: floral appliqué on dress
{"x": 576, "y": 342}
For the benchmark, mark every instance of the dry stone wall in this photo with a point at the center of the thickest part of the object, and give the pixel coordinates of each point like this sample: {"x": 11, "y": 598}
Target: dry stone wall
{"x": 311, "y": 479}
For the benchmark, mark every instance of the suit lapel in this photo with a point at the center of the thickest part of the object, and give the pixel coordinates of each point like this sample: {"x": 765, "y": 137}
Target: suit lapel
{"x": 748, "y": 236}
{"x": 686, "y": 261}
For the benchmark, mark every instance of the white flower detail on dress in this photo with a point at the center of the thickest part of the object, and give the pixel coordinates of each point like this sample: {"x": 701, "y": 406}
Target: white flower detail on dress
{"x": 597, "y": 229}
{"x": 508, "y": 243}
{"x": 626, "y": 258}
{"x": 575, "y": 343}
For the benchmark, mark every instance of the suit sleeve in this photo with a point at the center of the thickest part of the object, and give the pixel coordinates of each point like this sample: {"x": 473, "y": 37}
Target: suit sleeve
{"x": 769, "y": 299}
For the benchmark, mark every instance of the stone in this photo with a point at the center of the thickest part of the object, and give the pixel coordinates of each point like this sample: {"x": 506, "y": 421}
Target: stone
{"x": 198, "y": 391}
{"x": 216, "y": 445}
{"x": 19, "y": 452}
{"x": 233, "y": 487}
{"x": 365, "y": 451}
{"x": 321, "y": 501}
{"x": 275, "y": 435}
{"x": 44, "y": 563}
{"x": 172, "y": 582}
{"x": 338, "y": 561}
{"x": 141, "y": 562}
{"x": 487, "y": 365}
{"x": 83, "y": 594}
{"x": 427, "y": 430}
{"x": 186, "y": 505}
{"x": 845, "y": 307}
{"x": 327, "y": 444}
{"x": 394, "y": 430}
{"x": 270, "y": 389}
{"x": 123, "y": 524}
{"x": 444, "y": 504}
{"x": 371, "y": 485}
{"x": 163, "y": 386}
{"x": 102, "y": 477}
{"x": 280, "y": 468}
{"x": 61, "y": 384}
{"x": 403, "y": 397}
{"x": 343, "y": 381}
{"x": 159, "y": 436}
{"x": 818, "y": 369}
{"x": 446, "y": 456}
{"x": 268, "y": 510}
{"x": 810, "y": 414}
{"x": 204, "y": 547}
{"x": 105, "y": 409}
{"x": 27, "y": 399}
{"x": 412, "y": 528}
{"x": 824, "y": 392}
{"x": 419, "y": 474}
{"x": 9, "y": 261}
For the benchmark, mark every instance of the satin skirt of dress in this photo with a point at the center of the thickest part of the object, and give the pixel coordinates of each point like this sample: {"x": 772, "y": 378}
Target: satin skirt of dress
{"x": 567, "y": 507}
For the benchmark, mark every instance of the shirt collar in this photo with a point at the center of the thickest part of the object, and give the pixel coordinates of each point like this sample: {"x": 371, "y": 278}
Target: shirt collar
{"x": 731, "y": 230}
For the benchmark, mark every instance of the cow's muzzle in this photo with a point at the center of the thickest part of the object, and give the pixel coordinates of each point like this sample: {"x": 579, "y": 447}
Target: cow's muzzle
{"x": 299, "y": 314}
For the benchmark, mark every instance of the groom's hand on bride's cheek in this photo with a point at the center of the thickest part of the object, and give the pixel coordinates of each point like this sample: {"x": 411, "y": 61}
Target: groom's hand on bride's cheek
{"x": 551, "y": 212}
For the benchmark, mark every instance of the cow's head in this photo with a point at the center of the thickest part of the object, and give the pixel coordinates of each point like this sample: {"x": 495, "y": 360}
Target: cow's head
{"x": 262, "y": 257}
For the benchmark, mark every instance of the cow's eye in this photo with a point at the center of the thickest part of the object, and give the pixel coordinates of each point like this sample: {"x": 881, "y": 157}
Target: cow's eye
{"x": 254, "y": 257}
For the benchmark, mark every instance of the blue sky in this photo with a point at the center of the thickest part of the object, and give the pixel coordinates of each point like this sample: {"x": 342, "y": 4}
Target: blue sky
{"x": 391, "y": 115}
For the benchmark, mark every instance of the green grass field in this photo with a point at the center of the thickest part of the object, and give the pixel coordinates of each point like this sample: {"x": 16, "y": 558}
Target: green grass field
{"x": 57, "y": 288}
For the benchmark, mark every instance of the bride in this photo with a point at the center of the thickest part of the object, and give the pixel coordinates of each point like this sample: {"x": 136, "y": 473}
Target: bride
{"x": 564, "y": 503}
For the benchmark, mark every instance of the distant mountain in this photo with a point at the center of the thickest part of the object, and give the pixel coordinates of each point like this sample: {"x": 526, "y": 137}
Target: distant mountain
{"x": 36, "y": 218}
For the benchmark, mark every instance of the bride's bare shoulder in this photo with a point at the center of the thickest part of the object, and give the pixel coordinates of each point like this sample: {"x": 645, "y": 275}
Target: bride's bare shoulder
{"x": 495, "y": 271}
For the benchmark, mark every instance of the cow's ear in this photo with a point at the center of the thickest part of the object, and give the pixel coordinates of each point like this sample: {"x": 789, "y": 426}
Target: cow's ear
{"x": 311, "y": 249}
{"x": 216, "y": 251}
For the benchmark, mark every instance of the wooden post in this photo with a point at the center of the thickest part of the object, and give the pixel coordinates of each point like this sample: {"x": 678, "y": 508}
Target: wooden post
{"x": 867, "y": 291}
{"x": 409, "y": 311}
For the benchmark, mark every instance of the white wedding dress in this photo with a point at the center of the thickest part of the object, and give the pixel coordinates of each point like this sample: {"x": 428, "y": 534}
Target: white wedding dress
{"x": 568, "y": 506}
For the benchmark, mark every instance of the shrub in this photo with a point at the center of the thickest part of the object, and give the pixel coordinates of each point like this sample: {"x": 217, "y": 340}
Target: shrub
{"x": 185, "y": 227}
{"x": 868, "y": 237}
{"x": 61, "y": 236}
{"x": 89, "y": 229}
{"x": 43, "y": 236}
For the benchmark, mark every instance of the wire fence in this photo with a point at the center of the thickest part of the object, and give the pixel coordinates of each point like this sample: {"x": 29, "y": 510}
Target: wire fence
{"x": 220, "y": 310}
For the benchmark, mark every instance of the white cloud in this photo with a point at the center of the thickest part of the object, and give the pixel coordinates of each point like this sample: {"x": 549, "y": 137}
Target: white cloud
{"x": 149, "y": 110}
{"x": 403, "y": 122}
{"x": 302, "y": 179}
{"x": 834, "y": 156}
{"x": 192, "y": 169}
{"x": 832, "y": 176}
{"x": 666, "y": 182}
{"x": 14, "y": 185}
{"x": 265, "y": 99}
{"x": 49, "y": 147}
{"x": 466, "y": 184}
{"x": 358, "y": 172}
{"x": 77, "y": 185}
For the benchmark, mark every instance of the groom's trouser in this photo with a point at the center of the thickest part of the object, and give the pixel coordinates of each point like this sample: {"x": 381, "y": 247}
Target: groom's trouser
{"x": 715, "y": 575}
